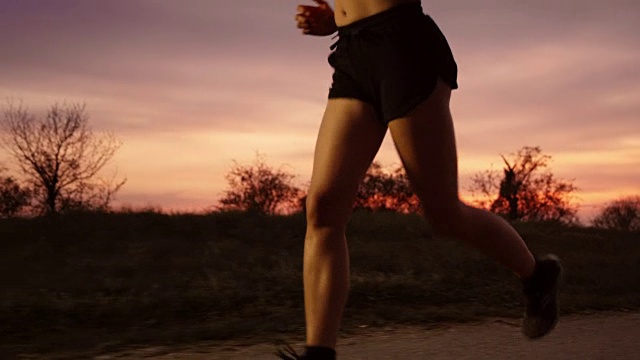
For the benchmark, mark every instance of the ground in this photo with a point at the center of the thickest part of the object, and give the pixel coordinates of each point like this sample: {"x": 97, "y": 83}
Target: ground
{"x": 596, "y": 336}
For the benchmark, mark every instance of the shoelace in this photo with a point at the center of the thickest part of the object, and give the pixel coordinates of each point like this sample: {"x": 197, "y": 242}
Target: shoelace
{"x": 288, "y": 353}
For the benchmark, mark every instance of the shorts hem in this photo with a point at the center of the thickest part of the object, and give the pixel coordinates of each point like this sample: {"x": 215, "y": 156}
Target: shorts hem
{"x": 350, "y": 97}
{"x": 410, "y": 104}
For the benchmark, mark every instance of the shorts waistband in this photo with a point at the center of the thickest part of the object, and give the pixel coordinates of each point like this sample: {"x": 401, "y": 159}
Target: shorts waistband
{"x": 401, "y": 11}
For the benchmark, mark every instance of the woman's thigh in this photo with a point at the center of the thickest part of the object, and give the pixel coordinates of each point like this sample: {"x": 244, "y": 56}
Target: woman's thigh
{"x": 425, "y": 141}
{"x": 349, "y": 138}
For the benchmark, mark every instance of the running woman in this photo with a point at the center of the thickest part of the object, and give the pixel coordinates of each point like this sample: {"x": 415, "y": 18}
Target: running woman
{"x": 393, "y": 69}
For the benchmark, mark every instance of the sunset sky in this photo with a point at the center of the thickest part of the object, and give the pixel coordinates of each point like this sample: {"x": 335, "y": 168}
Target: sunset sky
{"x": 190, "y": 85}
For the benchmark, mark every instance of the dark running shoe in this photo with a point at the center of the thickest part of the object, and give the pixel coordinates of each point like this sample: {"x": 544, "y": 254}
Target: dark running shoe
{"x": 310, "y": 353}
{"x": 541, "y": 292}
{"x": 287, "y": 353}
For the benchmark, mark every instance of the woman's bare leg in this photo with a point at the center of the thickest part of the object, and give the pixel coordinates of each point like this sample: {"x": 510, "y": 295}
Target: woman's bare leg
{"x": 425, "y": 141}
{"x": 348, "y": 140}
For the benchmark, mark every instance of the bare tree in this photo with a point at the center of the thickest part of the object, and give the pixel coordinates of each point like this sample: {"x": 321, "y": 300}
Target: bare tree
{"x": 622, "y": 214}
{"x": 525, "y": 191}
{"x": 259, "y": 188}
{"x": 60, "y": 156}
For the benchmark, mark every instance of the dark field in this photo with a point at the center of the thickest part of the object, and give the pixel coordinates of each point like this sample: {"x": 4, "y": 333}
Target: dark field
{"x": 104, "y": 281}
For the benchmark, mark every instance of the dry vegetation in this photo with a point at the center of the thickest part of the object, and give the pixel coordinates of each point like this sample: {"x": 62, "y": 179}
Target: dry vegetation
{"x": 101, "y": 281}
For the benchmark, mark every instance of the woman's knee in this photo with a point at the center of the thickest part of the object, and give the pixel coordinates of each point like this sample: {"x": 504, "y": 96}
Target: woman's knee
{"x": 325, "y": 209}
{"x": 446, "y": 219}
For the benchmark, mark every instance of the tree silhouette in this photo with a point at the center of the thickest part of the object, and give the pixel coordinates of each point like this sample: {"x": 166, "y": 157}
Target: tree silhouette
{"x": 383, "y": 190}
{"x": 13, "y": 197}
{"x": 258, "y": 188}
{"x": 622, "y": 214}
{"x": 60, "y": 156}
{"x": 525, "y": 191}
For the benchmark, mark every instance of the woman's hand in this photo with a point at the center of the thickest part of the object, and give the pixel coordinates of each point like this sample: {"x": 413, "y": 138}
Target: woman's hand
{"x": 316, "y": 20}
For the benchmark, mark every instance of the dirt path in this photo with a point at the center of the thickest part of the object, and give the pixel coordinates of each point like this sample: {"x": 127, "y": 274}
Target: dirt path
{"x": 604, "y": 336}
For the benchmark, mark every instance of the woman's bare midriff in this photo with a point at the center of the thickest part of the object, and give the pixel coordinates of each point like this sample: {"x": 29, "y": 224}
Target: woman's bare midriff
{"x": 349, "y": 11}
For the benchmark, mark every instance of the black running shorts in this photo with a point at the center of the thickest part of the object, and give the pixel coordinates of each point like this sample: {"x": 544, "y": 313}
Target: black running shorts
{"x": 391, "y": 60}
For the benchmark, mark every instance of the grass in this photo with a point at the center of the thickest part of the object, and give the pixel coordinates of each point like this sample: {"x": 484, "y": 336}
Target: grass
{"x": 102, "y": 281}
